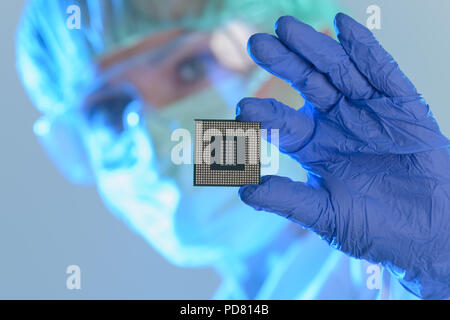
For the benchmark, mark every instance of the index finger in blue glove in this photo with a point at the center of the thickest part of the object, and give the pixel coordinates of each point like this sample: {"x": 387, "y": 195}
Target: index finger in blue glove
{"x": 371, "y": 58}
{"x": 326, "y": 54}
{"x": 270, "y": 54}
{"x": 295, "y": 127}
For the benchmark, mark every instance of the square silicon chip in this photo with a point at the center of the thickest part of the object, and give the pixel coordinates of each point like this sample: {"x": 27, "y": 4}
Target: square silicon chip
{"x": 227, "y": 153}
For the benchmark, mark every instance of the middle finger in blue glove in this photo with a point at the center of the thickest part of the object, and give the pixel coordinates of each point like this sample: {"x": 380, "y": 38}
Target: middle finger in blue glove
{"x": 273, "y": 56}
{"x": 327, "y": 55}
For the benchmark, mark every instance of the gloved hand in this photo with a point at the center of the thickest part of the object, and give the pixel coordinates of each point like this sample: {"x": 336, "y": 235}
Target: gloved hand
{"x": 378, "y": 166}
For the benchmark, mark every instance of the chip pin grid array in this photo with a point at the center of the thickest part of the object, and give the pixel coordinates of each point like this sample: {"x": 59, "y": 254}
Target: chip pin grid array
{"x": 234, "y": 168}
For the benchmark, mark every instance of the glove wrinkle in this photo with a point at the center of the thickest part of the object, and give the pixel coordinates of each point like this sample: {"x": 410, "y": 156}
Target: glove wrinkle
{"x": 378, "y": 165}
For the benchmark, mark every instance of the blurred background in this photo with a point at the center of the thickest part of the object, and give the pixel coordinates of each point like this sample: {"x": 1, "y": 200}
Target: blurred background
{"x": 47, "y": 224}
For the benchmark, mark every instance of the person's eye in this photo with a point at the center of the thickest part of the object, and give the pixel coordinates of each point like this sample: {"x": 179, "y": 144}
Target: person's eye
{"x": 109, "y": 112}
{"x": 191, "y": 70}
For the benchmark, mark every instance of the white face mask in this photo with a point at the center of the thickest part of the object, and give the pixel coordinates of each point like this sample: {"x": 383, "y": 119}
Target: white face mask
{"x": 190, "y": 226}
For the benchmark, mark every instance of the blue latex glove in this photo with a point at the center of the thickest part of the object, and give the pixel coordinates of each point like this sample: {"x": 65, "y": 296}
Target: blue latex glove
{"x": 378, "y": 166}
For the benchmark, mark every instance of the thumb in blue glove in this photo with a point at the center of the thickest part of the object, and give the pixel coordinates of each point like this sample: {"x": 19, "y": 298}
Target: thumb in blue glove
{"x": 378, "y": 166}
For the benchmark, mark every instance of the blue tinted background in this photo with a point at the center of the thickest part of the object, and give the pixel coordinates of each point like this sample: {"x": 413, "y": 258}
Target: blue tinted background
{"x": 47, "y": 224}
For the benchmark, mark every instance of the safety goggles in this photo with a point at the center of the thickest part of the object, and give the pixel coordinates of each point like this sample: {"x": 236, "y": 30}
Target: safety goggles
{"x": 143, "y": 83}
{"x": 155, "y": 79}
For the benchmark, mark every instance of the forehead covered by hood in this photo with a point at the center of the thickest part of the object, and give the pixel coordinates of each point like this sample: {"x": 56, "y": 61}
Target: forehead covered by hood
{"x": 53, "y": 59}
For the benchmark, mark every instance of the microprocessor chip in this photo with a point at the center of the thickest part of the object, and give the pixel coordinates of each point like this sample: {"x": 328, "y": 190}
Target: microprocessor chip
{"x": 227, "y": 153}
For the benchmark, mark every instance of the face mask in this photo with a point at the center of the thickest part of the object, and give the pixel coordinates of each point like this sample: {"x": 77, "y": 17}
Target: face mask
{"x": 189, "y": 226}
